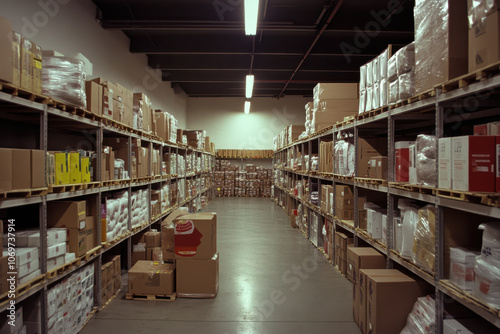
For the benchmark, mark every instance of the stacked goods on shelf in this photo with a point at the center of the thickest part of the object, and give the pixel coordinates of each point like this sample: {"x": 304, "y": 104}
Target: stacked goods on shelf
{"x": 21, "y": 169}
{"x": 110, "y": 278}
{"x": 139, "y": 207}
{"x": 462, "y": 267}
{"x": 441, "y": 50}
{"x": 140, "y": 160}
{"x": 26, "y": 259}
{"x": 344, "y": 153}
{"x": 326, "y": 191}
{"x": 342, "y": 242}
{"x": 255, "y": 181}
{"x": 416, "y": 161}
{"x": 197, "y": 259}
{"x": 401, "y": 74}
{"x": 314, "y": 226}
{"x": 326, "y": 156}
{"x": 332, "y": 103}
{"x": 196, "y": 138}
{"x": 255, "y": 154}
{"x": 117, "y": 101}
{"x": 71, "y": 301}
{"x": 376, "y": 221}
{"x": 483, "y": 34}
{"x": 115, "y": 215}
{"x": 294, "y": 132}
{"x": 81, "y": 228}
{"x": 373, "y": 83}
{"x": 155, "y": 203}
{"x": 63, "y": 78}
{"x": 487, "y": 266}
{"x": 371, "y": 158}
{"x": 69, "y": 167}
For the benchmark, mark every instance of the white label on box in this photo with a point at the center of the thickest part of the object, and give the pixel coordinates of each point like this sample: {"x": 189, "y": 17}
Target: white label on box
{"x": 82, "y": 224}
{"x": 445, "y": 164}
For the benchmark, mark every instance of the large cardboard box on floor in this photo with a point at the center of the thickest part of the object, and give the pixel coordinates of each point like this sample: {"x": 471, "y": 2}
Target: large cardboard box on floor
{"x": 151, "y": 278}
{"x": 196, "y": 236}
{"x": 168, "y": 234}
{"x": 197, "y": 278}
{"x": 390, "y": 300}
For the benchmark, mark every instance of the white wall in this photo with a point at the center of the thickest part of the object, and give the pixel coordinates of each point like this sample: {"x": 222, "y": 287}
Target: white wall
{"x": 228, "y": 127}
{"x": 69, "y": 26}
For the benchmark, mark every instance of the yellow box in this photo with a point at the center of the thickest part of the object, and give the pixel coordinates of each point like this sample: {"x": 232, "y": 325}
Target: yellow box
{"x": 62, "y": 168}
{"x": 37, "y": 69}
{"x": 75, "y": 167}
{"x": 85, "y": 169}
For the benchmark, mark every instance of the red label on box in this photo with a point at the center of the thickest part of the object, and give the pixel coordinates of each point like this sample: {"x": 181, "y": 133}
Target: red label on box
{"x": 187, "y": 238}
{"x": 402, "y": 161}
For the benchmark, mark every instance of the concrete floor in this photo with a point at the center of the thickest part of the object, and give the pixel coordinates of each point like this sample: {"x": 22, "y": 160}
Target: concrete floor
{"x": 272, "y": 280}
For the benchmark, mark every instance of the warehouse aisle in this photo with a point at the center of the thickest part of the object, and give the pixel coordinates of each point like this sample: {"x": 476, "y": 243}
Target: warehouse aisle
{"x": 272, "y": 280}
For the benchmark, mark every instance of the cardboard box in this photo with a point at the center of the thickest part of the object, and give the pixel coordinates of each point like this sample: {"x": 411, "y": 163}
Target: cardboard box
{"x": 343, "y": 191}
{"x": 67, "y": 214}
{"x": 401, "y": 169}
{"x": 390, "y": 300}
{"x": 86, "y": 169}
{"x": 75, "y": 167}
{"x": 138, "y": 253}
{"x": 37, "y": 169}
{"x": 168, "y": 234}
{"x": 324, "y": 119}
{"x": 381, "y": 168}
{"x": 90, "y": 228}
{"x": 16, "y": 58}
{"x": 6, "y": 66}
{"x": 364, "y": 275}
{"x": 21, "y": 171}
{"x": 152, "y": 239}
{"x": 473, "y": 163}
{"x": 26, "y": 64}
{"x": 198, "y": 278}
{"x": 6, "y": 165}
{"x": 196, "y": 236}
{"x": 61, "y": 168}
{"x": 151, "y": 278}
{"x": 484, "y": 48}
{"x": 94, "y": 93}
{"x": 37, "y": 68}
{"x": 445, "y": 163}
{"x": 336, "y": 91}
{"x": 369, "y": 148}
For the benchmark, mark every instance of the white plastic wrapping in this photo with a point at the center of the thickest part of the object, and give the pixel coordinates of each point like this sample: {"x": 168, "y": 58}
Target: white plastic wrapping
{"x": 478, "y": 10}
{"x": 392, "y": 68}
{"x": 462, "y": 267}
{"x": 405, "y": 59}
{"x": 423, "y": 253}
{"x": 406, "y": 85}
{"x": 490, "y": 249}
{"x": 63, "y": 78}
{"x": 369, "y": 74}
{"x": 487, "y": 282}
{"x": 362, "y": 101}
{"x": 362, "y": 78}
{"x": 369, "y": 98}
{"x": 394, "y": 91}
{"x": 409, "y": 219}
{"x": 376, "y": 70}
{"x": 384, "y": 95}
{"x": 426, "y": 146}
{"x": 382, "y": 63}
{"x": 376, "y": 96}
{"x": 422, "y": 319}
{"x": 344, "y": 158}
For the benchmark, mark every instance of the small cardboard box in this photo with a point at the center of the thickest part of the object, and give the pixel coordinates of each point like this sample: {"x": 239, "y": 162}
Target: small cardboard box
{"x": 94, "y": 93}
{"x": 151, "y": 278}
{"x": 26, "y": 64}
{"x": 196, "y": 236}
{"x": 5, "y": 168}
{"x": 69, "y": 214}
{"x": 37, "y": 68}
{"x": 75, "y": 167}
{"x": 198, "y": 278}
{"x": 117, "y": 265}
{"x": 484, "y": 48}
{"x": 77, "y": 241}
{"x": 21, "y": 169}
{"x": 152, "y": 239}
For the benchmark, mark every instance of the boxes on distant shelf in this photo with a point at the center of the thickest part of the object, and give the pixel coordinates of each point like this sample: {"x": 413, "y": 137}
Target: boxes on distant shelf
{"x": 369, "y": 148}
{"x": 37, "y": 69}
{"x": 488, "y": 129}
{"x": 151, "y": 278}
{"x": 94, "y": 94}
{"x": 26, "y": 64}
{"x": 198, "y": 278}
{"x": 335, "y": 91}
{"x": 473, "y": 163}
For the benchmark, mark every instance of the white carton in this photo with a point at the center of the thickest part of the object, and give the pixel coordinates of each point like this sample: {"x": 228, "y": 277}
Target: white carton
{"x": 24, "y": 255}
{"x": 445, "y": 164}
{"x": 413, "y": 164}
{"x": 56, "y": 250}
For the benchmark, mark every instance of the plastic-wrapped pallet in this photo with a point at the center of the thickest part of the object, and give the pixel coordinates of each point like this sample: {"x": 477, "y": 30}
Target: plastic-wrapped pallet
{"x": 139, "y": 207}
{"x": 426, "y": 146}
{"x": 63, "y": 78}
{"x": 490, "y": 248}
{"x": 424, "y": 254}
{"x": 405, "y": 59}
{"x": 406, "y": 85}
{"x": 422, "y": 319}
{"x": 362, "y": 78}
{"x": 116, "y": 214}
{"x": 409, "y": 219}
{"x": 394, "y": 91}
{"x": 487, "y": 281}
{"x": 344, "y": 157}
{"x": 462, "y": 267}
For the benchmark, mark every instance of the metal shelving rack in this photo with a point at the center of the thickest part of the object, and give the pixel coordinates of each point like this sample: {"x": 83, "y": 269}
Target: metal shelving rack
{"x": 432, "y": 111}
{"x": 48, "y": 117}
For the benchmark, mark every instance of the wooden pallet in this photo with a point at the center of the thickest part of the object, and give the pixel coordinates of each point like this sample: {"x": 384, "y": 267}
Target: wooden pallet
{"x": 22, "y": 289}
{"x": 342, "y": 177}
{"x": 422, "y": 96}
{"x": 22, "y": 93}
{"x": 108, "y": 244}
{"x": 94, "y": 251}
{"x": 470, "y": 78}
{"x": 378, "y": 182}
{"x": 413, "y": 188}
{"x": 59, "y": 270}
{"x": 138, "y": 227}
{"x": 62, "y": 188}
{"x": 320, "y": 132}
{"x": 371, "y": 113}
{"x": 136, "y": 296}
{"x": 346, "y": 223}
{"x": 91, "y": 185}
{"x": 23, "y": 193}
{"x": 467, "y": 297}
{"x": 345, "y": 122}
{"x": 490, "y": 199}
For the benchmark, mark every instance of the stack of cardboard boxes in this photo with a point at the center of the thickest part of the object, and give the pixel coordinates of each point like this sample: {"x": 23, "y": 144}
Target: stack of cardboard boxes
{"x": 255, "y": 181}
{"x": 110, "y": 278}
{"x": 21, "y": 169}
{"x": 344, "y": 202}
{"x": 231, "y": 153}
{"x": 22, "y": 59}
{"x": 372, "y": 149}
{"x": 342, "y": 242}
{"x": 326, "y": 157}
{"x": 326, "y": 190}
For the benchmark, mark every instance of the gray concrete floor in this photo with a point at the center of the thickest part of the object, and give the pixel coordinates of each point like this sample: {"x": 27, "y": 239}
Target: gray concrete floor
{"x": 272, "y": 280}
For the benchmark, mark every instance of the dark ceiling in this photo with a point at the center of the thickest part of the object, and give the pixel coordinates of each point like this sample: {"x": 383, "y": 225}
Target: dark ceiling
{"x": 201, "y": 46}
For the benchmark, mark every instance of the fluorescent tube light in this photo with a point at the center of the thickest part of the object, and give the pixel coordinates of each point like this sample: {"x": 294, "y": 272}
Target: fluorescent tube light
{"x": 249, "y": 89}
{"x": 251, "y": 16}
{"x": 247, "y": 107}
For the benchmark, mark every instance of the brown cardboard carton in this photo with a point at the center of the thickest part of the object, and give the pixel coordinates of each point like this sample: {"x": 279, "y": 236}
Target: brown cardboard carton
{"x": 5, "y": 168}
{"x": 77, "y": 241}
{"x": 364, "y": 274}
{"x": 37, "y": 68}
{"x": 198, "y": 278}
{"x": 484, "y": 46}
{"x": 26, "y": 64}
{"x": 21, "y": 169}
{"x": 369, "y": 148}
{"x": 94, "y": 97}
{"x": 117, "y": 265}
{"x": 138, "y": 253}
{"x": 390, "y": 300}
{"x": 342, "y": 191}
{"x": 152, "y": 239}
{"x": 90, "y": 228}
{"x": 151, "y": 278}
{"x": 16, "y": 58}
{"x": 67, "y": 214}
{"x": 6, "y": 66}
{"x": 196, "y": 236}
{"x": 110, "y": 271}
{"x": 37, "y": 169}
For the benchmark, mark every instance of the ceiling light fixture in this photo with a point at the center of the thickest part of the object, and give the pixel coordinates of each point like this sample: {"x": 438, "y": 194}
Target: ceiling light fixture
{"x": 247, "y": 107}
{"x": 251, "y": 16}
{"x": 249, "y": 86}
